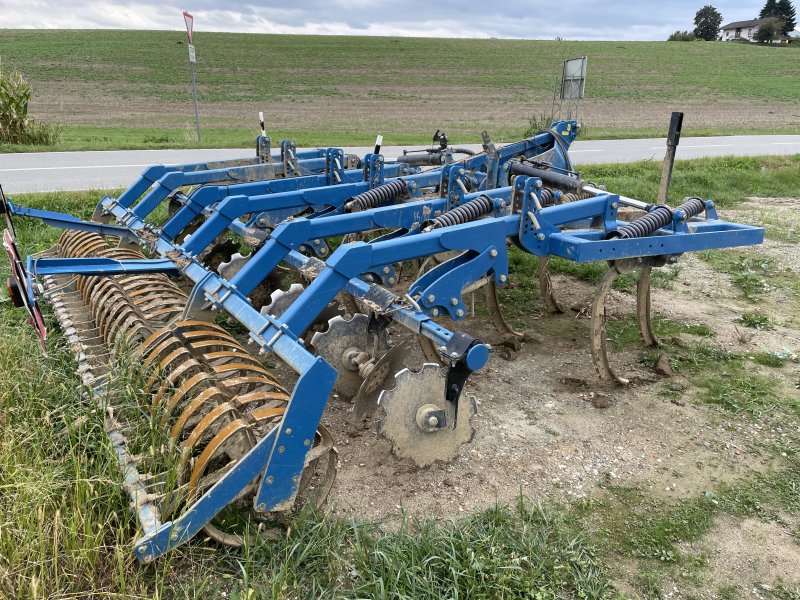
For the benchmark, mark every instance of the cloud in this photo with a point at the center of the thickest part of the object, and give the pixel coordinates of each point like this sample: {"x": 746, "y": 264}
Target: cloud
{"x": 570, "y": 19}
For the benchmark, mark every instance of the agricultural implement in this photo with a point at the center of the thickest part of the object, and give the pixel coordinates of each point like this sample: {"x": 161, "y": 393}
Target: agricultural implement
{"x": 350, "y": 259}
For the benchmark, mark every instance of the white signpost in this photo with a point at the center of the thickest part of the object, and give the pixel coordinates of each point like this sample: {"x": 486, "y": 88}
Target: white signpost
{"x": 189, "y": 20}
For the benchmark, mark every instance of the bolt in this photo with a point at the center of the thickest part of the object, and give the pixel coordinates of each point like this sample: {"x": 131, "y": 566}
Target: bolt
{"x": 506, "y": 166}
{"x": 431, "y": 298}
{"x": 504, "y": 278}
{"x": 454, "y": 301}
{"x": 306, "y": 442}
{"x": 262, "y": 222}
{"x": 142, "y": 549}
{"x": 614, "y": 204}
{"x": 288, "y": 431}
{"x": 435, "y": 312}
{"x": 262, "y": 507}
{"x": 296, "y": 479}
{"x": 386, "y": 270}
{"x": 323, "y": 251}
{"x": 540, "y": 237}
{"x": 175, "y": 534}
{"x": 454, "y": 354}
{"x": 281, "y": 449}
{"x": 392, "y": 280}
{"x": 270, "y": 480}
{"x": 538, "y": 183}
{"x": 432, "y": 421}
{"x": 316, "y": 242}
{"x": 460, "y": 312}
{"x": 493, "y": 253}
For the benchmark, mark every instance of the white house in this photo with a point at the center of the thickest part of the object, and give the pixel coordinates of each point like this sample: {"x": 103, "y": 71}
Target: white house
{"x": 740, "y": 30}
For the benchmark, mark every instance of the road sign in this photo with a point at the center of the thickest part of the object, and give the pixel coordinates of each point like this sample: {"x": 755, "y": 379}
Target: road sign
{"x": 189, "y": 20}
{"x": 192, "y": 55}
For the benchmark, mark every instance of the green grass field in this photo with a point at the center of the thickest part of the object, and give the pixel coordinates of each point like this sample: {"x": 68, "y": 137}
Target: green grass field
{"x": 131, "y": 88}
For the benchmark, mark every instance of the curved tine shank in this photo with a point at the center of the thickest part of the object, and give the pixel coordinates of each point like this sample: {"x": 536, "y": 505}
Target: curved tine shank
{"x": 643, "y": 318}
{"x": 599, "y": 345}
{"x": 546, "y": 286}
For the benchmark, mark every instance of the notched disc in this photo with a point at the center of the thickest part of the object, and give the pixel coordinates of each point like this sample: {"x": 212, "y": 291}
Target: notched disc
{"x": 401, "y": 416}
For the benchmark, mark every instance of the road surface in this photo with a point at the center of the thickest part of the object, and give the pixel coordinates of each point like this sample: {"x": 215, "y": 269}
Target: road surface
{"x": 54, "y": 171}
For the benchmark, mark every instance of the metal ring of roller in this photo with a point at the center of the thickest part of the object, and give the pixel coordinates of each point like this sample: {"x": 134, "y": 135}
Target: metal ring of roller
{"x": 202, "y": 399}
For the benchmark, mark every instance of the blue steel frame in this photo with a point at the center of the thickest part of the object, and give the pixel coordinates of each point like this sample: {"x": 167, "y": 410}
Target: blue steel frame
{"x": 517, "y": 214}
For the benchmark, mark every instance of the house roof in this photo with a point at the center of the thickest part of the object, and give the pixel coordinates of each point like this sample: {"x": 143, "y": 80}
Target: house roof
{"x": 741, "y": 24}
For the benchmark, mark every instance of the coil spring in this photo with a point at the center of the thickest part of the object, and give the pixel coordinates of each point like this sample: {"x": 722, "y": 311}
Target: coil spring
{"x": 659, "y": 217}
{"x": 692, "y": 207}
{"x": 548, "y": 196}
{"x": 465, "y": 213}
{"x": 377, "y": 196}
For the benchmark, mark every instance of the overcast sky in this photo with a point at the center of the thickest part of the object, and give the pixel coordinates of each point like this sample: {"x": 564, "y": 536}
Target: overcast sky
{"x": 570, "y": 19}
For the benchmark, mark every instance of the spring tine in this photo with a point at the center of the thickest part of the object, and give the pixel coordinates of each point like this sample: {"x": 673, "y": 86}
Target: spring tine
{"x": 186, "y": 369}
{"x": 496, "y": 312}
{"x": 643, "y": 307}
{"x": 546, "y": 286}
{"x": 599, "y": 344}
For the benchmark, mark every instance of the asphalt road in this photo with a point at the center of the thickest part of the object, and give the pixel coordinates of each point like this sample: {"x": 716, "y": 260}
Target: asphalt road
{"x": 53, "y": 171}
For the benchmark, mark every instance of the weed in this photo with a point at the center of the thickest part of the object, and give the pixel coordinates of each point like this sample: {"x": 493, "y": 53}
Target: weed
{"x": 16, "y": 127}
{"x": 769, "y": 359}
{"x": 756, "y": 320}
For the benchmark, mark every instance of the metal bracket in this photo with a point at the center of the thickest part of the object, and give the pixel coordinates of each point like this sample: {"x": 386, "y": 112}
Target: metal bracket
{"x": 289, "y": 158}
{"x": 263, "y": 149}
{"x": 373, "y": 170}
{"x": 334, "y": 165}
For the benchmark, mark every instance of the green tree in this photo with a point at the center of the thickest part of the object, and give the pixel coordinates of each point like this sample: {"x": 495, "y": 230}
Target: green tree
{"x": 786, "y": 13}
{"x": 770, "y": 10}
{"x": 707, "y": 21}
{"x": 769, "y": 30}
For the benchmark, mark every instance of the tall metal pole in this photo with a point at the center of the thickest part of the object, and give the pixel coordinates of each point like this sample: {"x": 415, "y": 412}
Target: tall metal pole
{"x": 189, "y": 20}
{"x": 194, "y": 93}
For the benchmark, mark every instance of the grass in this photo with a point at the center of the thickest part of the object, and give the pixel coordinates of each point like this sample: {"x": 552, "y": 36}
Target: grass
{"x": 313, "y": 91}
{"x": 652, "y": 532}
{"x": 753, "y": 274}
{"x": 728, "y": 181}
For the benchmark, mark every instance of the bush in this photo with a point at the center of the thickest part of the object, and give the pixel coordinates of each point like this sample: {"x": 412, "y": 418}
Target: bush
{"x": 682, "y": 36}
{"x": 15, "y": 125}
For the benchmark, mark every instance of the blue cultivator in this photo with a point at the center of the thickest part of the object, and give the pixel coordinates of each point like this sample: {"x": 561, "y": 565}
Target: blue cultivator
{"x": 415, "y": 238}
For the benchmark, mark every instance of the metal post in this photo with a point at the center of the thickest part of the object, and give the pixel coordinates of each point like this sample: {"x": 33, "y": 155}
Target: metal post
{"x": 194, "y": 93}
{"x": 675, "y": 124}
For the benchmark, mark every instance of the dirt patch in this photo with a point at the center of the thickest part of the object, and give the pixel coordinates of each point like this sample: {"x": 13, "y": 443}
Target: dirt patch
{"x": 751, "y": 555}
